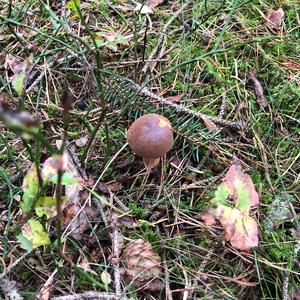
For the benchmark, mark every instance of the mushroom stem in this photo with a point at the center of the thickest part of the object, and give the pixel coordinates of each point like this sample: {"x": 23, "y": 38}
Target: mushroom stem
{"x": 151, "y": 162}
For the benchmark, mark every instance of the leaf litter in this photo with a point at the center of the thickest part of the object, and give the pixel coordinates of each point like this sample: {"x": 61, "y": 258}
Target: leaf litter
{"x": 239, "y": 228}
{"x": 275, "y": 18}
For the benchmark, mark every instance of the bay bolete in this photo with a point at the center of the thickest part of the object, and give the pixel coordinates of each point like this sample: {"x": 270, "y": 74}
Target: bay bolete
{"x": 151, "y": 137}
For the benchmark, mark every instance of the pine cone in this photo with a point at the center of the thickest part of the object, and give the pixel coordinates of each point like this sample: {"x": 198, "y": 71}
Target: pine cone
{"x": 142, "y": 265}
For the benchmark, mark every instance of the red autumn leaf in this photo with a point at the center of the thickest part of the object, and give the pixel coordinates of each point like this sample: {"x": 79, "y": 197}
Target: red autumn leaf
{"x": 239, "y": 228}
{"x": 240, "y": 187}
{"x": 275, "y": 18}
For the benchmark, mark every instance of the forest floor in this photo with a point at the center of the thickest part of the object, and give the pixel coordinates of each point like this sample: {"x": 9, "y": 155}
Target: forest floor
{"x": 227, "y": 76}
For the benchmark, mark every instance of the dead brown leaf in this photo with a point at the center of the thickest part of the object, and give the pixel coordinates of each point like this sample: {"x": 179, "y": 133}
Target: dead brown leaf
{"x": 15, "y": 64}
{"x": 210, "y": 125}
{"x": 123, "y": 164}
{"x": 259, "y": 91}
{"x": 177, "y": 98}
{"x": 115, "y": 187}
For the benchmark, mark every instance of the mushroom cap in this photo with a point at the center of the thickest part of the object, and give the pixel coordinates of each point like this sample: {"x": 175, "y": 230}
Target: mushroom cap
{"x": 150, "y": 136}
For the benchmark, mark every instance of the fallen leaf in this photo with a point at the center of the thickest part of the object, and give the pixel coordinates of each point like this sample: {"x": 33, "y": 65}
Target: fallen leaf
{"x": 102, "y": 187}
{"x": 106, "y": 278}
{"x": 34, "y": 235}
{"x": 52, "y": 165}
{"x": 123, "y": 164}
{"x": 30, "y": 188}
{"x": 240, "y": 187}
{"x": 115, "y": 187}
{"x": 275, "y": 18}
{"x": 18, "y": 82}
{"x": 259, "y": 91}
{"x": 20, "y": 69}
{"x": 47, "y": 206}
{"x": 294, "y": 294}
{"x": 210, "y": 125}
{"x": 72, "y": 217}
{"x": 72, "y": 4}
{"x": 85, "y": 265}
{"x": 209, "y": 218}
{"x": 18, "y": 120}
{"x": 295, "y": 232}
{"x": 239, "y": 228}
{"x": 82, "y": 141}
{"x": 110, "y": 39}
{"x": 176, "y": 99}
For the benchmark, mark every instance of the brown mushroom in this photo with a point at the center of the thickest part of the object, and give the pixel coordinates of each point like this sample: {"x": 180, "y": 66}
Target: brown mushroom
{"x": 151, "y": 137}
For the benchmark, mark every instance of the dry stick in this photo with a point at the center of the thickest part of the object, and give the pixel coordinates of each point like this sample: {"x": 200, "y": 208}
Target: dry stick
{"x": 116, "y": 254}
{"x": 90, "y": 295}
{"x": 47, "y": 284}
{"x": 114, "y": 235}
{"x": 162, "y": 36}
{"x": 181, "y": 108}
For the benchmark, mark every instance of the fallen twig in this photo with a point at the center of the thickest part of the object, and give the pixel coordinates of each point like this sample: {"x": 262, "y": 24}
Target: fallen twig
{"x": 181, "y": 108}
{"x": 90, "y": 295}
{"x": 115, "y": 237}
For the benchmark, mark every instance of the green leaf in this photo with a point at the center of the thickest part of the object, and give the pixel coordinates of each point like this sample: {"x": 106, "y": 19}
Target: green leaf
{"x": 100, "y": 42}
{"x": 30, "y": 189}
{"x": 18, "y": 83}
{"x": 25, "y": 243}
{"x": 35, "y": 234}
{"x": 47, "y": 206}
{"x": 72, "y": 5}
{"x": 106, "y": 278}
{"x": 243, "y": 196}
{"x": 67, "y": 178}
{"x": 239, "y": 186}
{"x": 222, "y": 194}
